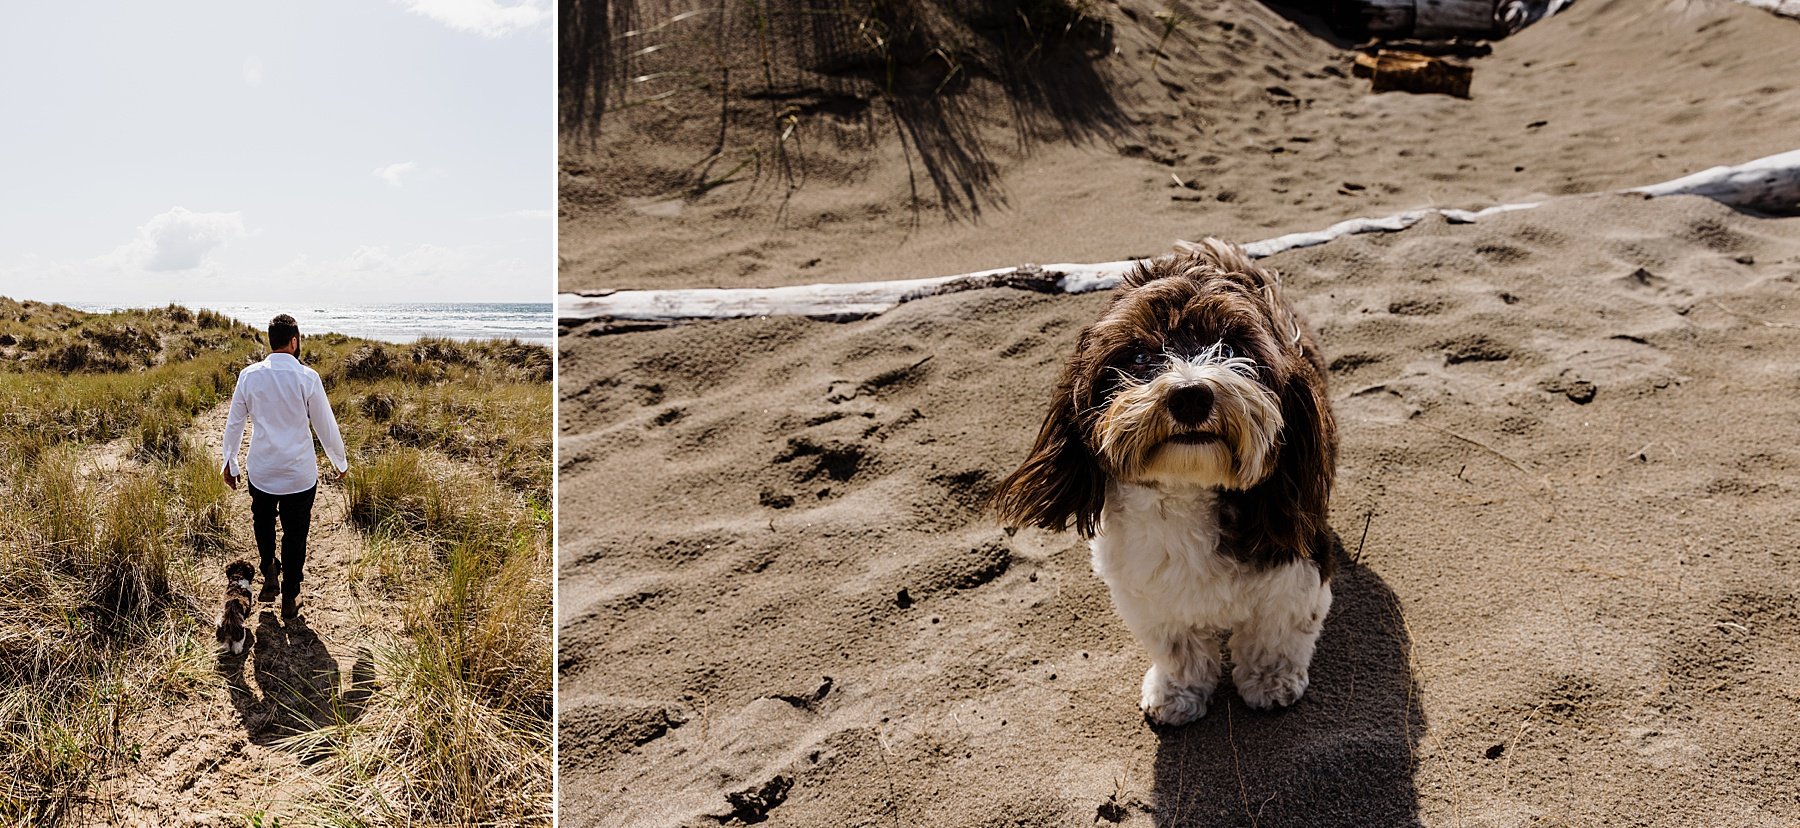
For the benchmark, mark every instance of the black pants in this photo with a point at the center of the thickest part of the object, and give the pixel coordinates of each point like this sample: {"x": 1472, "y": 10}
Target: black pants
{"x": 295, "y": 512}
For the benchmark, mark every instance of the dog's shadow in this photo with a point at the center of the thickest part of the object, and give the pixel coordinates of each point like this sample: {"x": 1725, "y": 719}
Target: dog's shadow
{"x": 1341, "y": 756}
{"x": 298, "y": 685}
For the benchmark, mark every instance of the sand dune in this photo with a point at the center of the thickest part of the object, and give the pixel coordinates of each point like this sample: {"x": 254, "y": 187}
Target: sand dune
{"x": 1256, "y": 119}
{"x": 1567, "y": 485}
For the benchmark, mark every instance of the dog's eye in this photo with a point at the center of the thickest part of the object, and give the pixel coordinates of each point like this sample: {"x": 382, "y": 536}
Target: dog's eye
{"x": 1142, "y": 358}
{"x": 1226, "y": 351}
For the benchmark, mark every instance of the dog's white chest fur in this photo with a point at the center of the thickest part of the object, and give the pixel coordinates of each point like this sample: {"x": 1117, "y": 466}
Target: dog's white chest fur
{"x": 1158, "y": 552}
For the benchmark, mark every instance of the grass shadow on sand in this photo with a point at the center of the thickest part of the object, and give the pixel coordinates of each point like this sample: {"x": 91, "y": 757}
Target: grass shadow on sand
{"x": 1344, "y": 755}
{"x": 1053, "y": 89}
{"x": 952, "y": 79}
{"x": 298, "y": 682}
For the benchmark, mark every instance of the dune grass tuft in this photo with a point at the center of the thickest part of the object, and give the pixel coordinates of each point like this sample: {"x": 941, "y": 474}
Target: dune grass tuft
{"x": 97, "y": 620}
{"x": 100, "y": 562}
{"x": 453, "y": 493}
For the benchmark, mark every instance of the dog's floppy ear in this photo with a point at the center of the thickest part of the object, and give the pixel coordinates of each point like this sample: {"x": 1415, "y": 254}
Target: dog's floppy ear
{"x": 1285, "y": 517}
{"x": 1060, "y": 482}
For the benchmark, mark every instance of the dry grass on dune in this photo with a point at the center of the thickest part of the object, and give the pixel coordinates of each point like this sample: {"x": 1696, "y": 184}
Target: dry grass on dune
{"x": 113, "y": 521}
{"x": 450, "y": 482}
{"x": 98, "y": 615}
{"x": 99, "y": 572}
{"x": 482, "y": 403}
{"x": 73, "y": 377}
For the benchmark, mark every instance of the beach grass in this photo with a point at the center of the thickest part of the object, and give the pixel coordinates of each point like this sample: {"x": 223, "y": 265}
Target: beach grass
{"x": 453, "y": 493}
{"x": 98, "y": 558}
{"x": 73, "y": 377}
{"x": 98, "y": 618}
{"x": 112, "y": 520}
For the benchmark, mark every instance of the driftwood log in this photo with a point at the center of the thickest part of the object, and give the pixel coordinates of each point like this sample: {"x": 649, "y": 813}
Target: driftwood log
{"x": 1785, "y": 8}
{"x": 1390, "y": 19}
{"x": 1770, "y": 185}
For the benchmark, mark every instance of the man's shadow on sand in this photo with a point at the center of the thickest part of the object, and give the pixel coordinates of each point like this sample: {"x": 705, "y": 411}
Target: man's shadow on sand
{"x": 1342, "y": 756}
{"x": 298, "y": 682}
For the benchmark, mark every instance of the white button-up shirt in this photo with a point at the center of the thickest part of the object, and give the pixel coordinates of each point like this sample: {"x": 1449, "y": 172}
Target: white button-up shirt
{"x": 287, "y": 401}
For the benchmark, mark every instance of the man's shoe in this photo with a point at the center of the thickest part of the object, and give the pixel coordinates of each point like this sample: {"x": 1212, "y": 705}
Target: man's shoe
{"x": 270, "y": 591}
{"x": 290, "y": 608}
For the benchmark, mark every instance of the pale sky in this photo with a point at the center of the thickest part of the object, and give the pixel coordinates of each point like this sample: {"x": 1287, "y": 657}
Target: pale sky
{"x": 327, "y": 151}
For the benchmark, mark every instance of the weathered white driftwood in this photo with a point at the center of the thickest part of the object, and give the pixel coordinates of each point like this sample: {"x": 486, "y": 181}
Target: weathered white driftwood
{"x": 1444, "y": 18}
{"x": 1769, "y": 184}
{"x": 1785, "y": 8}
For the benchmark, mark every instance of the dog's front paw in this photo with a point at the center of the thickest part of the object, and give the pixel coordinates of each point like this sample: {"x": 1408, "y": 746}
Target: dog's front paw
{"x": 1268, "y": 687}
{"x": 1166, "y": 703}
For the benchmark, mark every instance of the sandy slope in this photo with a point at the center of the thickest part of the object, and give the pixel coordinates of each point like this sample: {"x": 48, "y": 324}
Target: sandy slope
{"x": 217, "y": 759}
{"x": 1247, "y": 108}
{"x": 1566, "y": 612}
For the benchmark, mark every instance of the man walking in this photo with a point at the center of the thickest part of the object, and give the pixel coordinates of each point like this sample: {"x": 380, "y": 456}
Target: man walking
{"x": 287, "y": 401}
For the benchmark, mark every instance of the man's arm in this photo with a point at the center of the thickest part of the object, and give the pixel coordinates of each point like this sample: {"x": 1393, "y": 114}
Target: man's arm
{"x": 234, "y": 432}
{"x": 324, "y": 423}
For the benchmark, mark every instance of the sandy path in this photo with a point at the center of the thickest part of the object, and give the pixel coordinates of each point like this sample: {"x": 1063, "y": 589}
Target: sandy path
{"x": 216, "y": 758}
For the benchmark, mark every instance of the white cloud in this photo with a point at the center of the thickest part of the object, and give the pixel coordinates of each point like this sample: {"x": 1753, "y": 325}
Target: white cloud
{"x": 422, "y": 272}
{"x": 392, "y": 173}
{"x": 487, "y": 18}
{"x": 179, "y": 239}
{"x": 253, "y": 71}
{"x": 423, "y": 260}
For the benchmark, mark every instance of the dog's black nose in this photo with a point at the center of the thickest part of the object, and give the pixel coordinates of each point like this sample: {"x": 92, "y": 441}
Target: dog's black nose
{"x": 1190, "y": 404}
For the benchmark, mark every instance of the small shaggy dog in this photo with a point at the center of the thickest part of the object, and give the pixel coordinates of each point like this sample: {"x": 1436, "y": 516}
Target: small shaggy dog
{"x": 1191, "y": 438}
{"x": 232, "y": 633}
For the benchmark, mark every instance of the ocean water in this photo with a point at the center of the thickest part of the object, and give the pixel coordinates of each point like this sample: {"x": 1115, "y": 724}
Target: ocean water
{"x": 402, "y": 322}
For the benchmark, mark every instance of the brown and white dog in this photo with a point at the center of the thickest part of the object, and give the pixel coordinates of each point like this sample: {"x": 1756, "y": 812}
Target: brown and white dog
{"x": 1191, "y": 438}
{"x": 233, "y": 635}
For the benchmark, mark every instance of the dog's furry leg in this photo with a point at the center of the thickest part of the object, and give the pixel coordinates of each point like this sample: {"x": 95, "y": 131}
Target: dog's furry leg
{"x": 1184, "y": 669}
{"x": 1272, "y": 652}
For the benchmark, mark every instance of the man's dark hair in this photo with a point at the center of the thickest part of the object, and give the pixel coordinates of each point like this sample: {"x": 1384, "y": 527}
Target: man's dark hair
{"x": 282, "y": 330}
